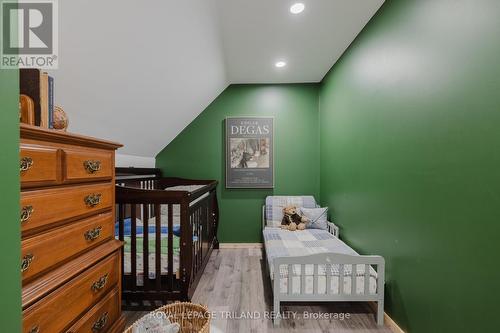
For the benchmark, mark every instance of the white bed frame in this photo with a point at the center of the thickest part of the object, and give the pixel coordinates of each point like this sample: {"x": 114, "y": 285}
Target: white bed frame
{"x": 323, "y": 259}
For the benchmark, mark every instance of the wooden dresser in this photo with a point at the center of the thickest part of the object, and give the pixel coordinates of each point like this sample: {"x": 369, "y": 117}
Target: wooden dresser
{"x": 70, "y": 260}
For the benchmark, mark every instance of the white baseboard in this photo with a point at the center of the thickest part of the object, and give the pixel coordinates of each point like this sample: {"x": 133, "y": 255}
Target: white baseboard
{"x": 240, "y": 245}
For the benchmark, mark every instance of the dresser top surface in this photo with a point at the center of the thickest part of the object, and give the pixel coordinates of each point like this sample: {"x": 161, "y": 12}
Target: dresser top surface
{"x": 38, "y": 133}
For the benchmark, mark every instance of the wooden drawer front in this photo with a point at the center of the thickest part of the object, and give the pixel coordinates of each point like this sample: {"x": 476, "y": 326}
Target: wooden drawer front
{"x": 43, "y": 207}
{"x": 46, "y": 250}
{"x": 83, "y": 165}
{"x": 56, "y": 311}
{"x": 101, "y": 317}
{"x": 39, "y": 165}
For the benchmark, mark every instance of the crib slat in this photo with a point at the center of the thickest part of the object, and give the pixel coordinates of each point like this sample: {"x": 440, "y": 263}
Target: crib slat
{"x": 328, "y": 273}
{"x": 341, "y": 279}
{"x": 197, "y": 233}
{"x": 193, "y": 229}
{"x": 151, "y": 209}
{"x": 121, "y": 214}
{"x": 158, "y": 246}
{"x": 315, "y": 279}
{"x": 170, "y": 254}
{"x": 203, "y": 221}
{"x": 367, "y": 279}
{"x": 133, "y": 245}
{"x": 353, "y": 279}
{"x": 198, "y": 228}
{"x": 199, "y": 219}
{"x": 121, "y": 231}
{"x": 203, "y": 214}
{"x": 302, "y": 278}
{"x": 145, "y": 244}
{"x": 289, "y": 276}
{"x": 197, "y": 243}
{"x": 193, "y": 219}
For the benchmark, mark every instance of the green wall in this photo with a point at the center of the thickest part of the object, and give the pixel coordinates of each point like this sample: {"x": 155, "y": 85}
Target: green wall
{"x": 410, "y": 158}
{"x": 198, "y": 152}
{"x": 10, "y": 243}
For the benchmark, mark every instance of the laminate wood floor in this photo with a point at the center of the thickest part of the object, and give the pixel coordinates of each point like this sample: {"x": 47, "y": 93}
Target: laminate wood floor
{"x": 235, "y": 284}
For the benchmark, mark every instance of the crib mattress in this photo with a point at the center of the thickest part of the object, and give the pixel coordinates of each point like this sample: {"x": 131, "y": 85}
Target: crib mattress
{"x": 284, "y": 243}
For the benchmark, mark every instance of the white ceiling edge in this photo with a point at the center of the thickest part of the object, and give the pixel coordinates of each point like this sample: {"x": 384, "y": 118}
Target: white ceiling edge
{"x": 137, "y": 72}
{"x": 125, "y": 161}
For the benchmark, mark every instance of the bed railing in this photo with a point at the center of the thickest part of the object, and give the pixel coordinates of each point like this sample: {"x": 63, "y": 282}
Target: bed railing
{"x": 335, "y": 266}
{"x": 142, "y": 201}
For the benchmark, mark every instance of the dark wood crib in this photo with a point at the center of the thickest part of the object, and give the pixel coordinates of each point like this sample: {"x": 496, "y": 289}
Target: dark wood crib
{"x": 140, "y": 196}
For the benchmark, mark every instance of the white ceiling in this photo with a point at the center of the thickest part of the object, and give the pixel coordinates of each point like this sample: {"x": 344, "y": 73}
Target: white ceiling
{"x": 138, "y": 72}
{"x": 258, "y": 33}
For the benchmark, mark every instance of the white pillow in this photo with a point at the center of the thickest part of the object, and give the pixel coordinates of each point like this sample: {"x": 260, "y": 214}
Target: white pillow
{"x": 317, "y": 217}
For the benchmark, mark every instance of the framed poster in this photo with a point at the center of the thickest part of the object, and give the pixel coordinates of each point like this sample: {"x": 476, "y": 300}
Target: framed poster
{"x": 250, "y": 152}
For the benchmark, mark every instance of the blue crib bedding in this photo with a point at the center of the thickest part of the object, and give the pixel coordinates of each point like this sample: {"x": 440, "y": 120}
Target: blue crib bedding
{"x": 127, "y": 228}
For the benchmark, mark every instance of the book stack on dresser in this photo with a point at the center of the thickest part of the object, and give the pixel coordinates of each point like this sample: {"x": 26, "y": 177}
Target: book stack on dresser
{"x": 70, "y": 260}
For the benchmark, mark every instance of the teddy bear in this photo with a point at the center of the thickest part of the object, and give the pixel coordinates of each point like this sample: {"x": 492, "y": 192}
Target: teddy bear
{"x": 292, "y": 220}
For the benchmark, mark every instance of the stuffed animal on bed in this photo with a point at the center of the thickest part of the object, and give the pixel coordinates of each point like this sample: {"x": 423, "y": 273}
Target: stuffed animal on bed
{"x": 292, "y": 220}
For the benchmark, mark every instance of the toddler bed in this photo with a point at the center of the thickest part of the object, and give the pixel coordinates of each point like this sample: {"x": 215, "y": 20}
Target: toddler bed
{"x": 315, "y": 265}
{"x": 169, "y": 227}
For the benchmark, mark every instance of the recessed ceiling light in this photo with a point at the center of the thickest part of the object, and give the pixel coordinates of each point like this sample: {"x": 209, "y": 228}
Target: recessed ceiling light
{"x": 297, "y": 8}
{"x": 280, "y": 64}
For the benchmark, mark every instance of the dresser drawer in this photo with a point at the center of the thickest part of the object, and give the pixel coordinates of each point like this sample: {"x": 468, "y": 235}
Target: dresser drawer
{"x": 87, "y": 165}
{"x": 43, "y": 207}
{"x": 101, "y": 317}
{"x": 49, "y": 249}
{"x": 56, "y": 311}
{"x": 39, "y": 165}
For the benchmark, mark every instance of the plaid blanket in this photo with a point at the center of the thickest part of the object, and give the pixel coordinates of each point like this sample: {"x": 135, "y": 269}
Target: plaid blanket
{"x": 275, "y": 204}
{"x": 284, "y": 243}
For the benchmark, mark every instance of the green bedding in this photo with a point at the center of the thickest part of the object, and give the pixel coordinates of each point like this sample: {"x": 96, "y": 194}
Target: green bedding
{"x": 152, "y": 245}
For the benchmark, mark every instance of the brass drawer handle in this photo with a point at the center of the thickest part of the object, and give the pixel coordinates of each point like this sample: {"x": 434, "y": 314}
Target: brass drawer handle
{"x": 26, "y": 163}
{"x": 34, "y": 329}
{"x": 26, "y": 213}
{"x": 99, "y": 284}
{"x": 93, "y": 234}
{"x": 93, "y": 200}
{"x": 26, "y": 262}
{"x": 92, "y": 166}
{"x": 100, "y": 323}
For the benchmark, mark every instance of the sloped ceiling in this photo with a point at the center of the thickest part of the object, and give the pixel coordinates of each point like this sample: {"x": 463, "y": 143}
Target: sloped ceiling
{"x": 138, "y": 72}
